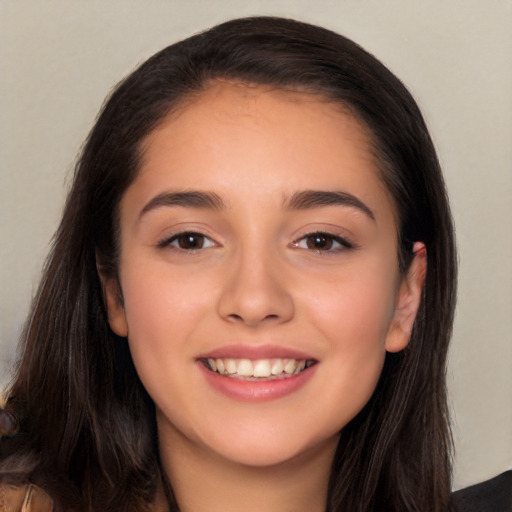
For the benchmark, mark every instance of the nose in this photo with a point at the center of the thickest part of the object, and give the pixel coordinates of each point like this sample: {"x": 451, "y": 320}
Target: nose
{"x": 255, "y": 292}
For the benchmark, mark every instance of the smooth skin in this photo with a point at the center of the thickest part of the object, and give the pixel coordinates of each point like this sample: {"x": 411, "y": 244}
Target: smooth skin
{"x": 247, "y": 261}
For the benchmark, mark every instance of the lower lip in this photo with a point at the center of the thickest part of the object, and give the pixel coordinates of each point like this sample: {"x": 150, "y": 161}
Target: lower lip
{"x": 257, "y": 391}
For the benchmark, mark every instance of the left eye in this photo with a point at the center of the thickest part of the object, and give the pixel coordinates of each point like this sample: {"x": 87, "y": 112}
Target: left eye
{"x": 323, "y": 242}
{"x": 190, "y": 241}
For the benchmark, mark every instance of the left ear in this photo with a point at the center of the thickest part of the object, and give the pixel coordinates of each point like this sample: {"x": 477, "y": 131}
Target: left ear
{"x": 408, "y": 301}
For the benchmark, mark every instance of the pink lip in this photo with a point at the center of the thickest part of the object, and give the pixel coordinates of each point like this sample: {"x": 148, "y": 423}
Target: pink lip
{"x": 256, "y": 391}
{"x": 255, "y": 352}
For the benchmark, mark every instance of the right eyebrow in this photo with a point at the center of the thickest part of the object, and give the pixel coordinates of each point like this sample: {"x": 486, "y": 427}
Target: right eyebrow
{"x": 188, "y": 199}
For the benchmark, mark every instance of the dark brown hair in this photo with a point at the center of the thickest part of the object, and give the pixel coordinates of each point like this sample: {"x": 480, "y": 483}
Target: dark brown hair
{"x": 85, "y": 420}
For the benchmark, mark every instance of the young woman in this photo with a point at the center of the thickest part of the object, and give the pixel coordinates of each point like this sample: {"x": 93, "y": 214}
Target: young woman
{"x": 249, "y": 299}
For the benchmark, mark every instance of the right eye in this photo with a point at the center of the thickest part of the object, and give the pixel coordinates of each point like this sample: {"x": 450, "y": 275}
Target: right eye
{"x": 188, "y": 241}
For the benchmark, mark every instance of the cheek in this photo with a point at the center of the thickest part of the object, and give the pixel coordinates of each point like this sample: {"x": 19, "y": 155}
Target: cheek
{"x": 353, "y": 314}
{"x": 162, "y": 309}
{"x": 356, "y": 325}
{"x": 356, "y": 307}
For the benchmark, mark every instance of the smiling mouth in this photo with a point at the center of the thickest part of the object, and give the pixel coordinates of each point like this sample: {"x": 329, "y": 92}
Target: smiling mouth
{"x": 257, "y": 369}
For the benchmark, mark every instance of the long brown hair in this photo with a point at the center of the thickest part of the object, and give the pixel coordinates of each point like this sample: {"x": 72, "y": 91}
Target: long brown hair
{"x": 86, "y": 424}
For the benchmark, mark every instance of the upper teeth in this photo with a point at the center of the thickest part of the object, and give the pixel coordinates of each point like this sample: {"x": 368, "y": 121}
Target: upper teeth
{"x": 258, "y": 367}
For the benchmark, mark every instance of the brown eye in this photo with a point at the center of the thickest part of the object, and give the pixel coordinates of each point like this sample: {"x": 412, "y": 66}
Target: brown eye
{"x": 190, "y": 241}
{"x": 319, "y": 242}
{"x": 323, "y": 242}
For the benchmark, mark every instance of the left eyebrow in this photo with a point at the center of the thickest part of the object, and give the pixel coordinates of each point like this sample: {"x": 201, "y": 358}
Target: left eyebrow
{"x": 318, "y": 198}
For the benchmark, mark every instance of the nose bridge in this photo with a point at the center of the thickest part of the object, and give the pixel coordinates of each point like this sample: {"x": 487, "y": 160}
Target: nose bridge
{"x": 256, "y": 289}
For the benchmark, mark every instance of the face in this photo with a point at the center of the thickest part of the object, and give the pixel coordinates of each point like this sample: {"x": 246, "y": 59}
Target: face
{"x": 259, "y": 274}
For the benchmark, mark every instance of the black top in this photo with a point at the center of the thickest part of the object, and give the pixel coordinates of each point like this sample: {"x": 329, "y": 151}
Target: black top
{"x": 494, "y": 495}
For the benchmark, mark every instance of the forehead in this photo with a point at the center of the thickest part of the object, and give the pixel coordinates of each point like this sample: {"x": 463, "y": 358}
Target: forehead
{"x": 204, "y": 118}
{"x": 262, "y": 138}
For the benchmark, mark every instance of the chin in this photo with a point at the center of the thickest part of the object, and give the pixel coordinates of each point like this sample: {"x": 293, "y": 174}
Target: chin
{"x": 270, "y": 449}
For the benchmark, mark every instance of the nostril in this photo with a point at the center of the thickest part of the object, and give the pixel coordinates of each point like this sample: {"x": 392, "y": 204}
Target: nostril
{"x": 240, "y": 318}
{"x": 247, "y": 300}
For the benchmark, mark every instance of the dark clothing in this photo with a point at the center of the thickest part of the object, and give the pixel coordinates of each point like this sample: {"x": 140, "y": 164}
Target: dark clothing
{"x": 494, "y": 495}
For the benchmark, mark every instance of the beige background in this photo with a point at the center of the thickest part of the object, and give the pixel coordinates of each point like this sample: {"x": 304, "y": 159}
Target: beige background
{"x": 59, "y": 59}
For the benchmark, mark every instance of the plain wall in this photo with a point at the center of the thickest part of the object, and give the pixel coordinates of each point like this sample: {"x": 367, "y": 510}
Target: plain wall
{"x": 59, "y": 59}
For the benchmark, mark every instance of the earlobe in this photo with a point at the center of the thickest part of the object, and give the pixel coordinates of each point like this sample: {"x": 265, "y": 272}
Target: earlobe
{"x": 408, "y": 301}
{"x": 114, "y": 304}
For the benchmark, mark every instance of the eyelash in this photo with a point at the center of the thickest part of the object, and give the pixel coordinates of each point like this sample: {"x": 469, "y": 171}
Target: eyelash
{"x": 343, "y": 243}
{"x": 183, "y": 236}
{"x": 314, "y": 237}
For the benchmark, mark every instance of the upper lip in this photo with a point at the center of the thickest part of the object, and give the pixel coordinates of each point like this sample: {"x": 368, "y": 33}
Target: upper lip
{"x": 251, "y": 351}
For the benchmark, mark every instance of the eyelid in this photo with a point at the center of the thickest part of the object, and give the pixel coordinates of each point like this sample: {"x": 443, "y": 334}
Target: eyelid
{"x": 168, "y": 240}
{"x": 343, "y": 242}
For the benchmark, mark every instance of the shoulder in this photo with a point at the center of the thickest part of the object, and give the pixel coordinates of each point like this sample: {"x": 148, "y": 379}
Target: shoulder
{"x": 24, "y": 498}
{"x": 17, "y": 493}
{"x": 493, "y": 495}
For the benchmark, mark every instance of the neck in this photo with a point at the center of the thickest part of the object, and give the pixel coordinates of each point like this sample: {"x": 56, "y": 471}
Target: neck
{"x": 203, "y": 481}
